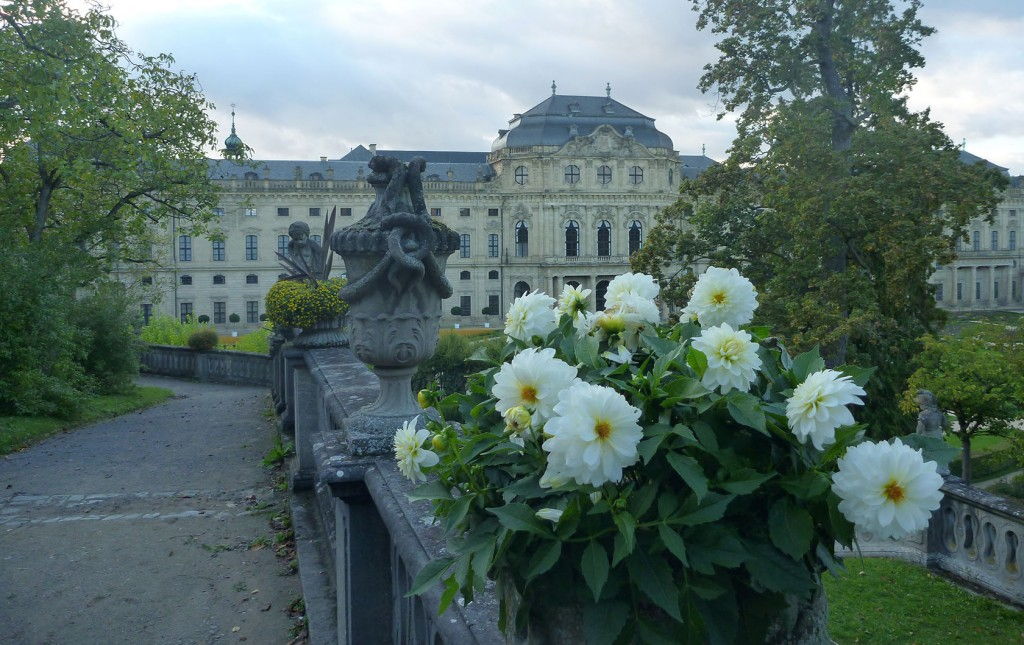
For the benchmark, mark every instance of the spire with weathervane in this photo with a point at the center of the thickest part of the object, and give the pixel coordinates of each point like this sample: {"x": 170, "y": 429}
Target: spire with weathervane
{"x": 233, "y": 146}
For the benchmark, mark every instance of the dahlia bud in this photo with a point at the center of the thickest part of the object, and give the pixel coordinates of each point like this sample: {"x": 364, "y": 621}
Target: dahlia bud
{"x": 517, "y": 419}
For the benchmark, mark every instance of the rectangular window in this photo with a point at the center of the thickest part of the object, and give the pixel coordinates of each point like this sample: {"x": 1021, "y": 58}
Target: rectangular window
{"x": 251, "y": 248}
{"x": 435, "y": 212}
{"x": 959, "y": 290}
{"x": 464, "y": 245}
{"x": 252, "y": 311}
{"x": 466, "y": 305}
{"x": 492, "y": 245}
{"x": 463, "y": 212}
{"x": 492, "y": 304}
{"x": 995, "y": 240}
{"x": 185, "y": 309}
{"x": 250, "y": 212}
{"x": 282, "y": 211}
{"x": 1013, "y": 212}
{"x": 938, "y": 292}
{"x": 995, "y": 290}
{"x": 219, "y": 212}
{"x": 1013, "y": 240}
{"x": 185, "y": 248}
{"x": 314, "y": 211}
{"x": 218, "y": 250}
{"x": 220, "y": 315}
{"x": 282, "y": 244}
{"x": 976, "y": 240}
{"x": 1013, "y": 289}
{"x": 977, "y": 291}
{"x": 492, "y": 212}
{"x": 252, "y": 278}
{"x": 345, "y": 212}
{"x": 147, "y": 312}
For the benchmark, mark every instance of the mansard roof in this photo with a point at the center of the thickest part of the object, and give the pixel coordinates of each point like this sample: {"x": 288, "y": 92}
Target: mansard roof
{"x": 970, "y": 159}
{"x": 361, "y": 153}
{"x": 558, "y": 118}
{"x": 289, "y": 170}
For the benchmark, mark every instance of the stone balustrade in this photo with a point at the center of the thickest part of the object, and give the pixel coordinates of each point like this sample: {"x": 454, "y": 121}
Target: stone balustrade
{"x": 213, "y": 366}
{"x": 361, "y": 541}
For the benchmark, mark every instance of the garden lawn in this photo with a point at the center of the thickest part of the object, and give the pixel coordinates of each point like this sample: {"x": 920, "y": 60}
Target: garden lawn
{"x": 888, "y": 601}
{"x": 17, "y": 433}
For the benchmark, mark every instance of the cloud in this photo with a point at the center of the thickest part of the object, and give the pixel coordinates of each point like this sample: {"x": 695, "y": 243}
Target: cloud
{"x": 319, "y": 77}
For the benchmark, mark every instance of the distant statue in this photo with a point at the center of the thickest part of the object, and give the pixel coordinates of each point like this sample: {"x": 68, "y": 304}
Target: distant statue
{"x": 931, "y": 421}
{"x": 304, "y": 251}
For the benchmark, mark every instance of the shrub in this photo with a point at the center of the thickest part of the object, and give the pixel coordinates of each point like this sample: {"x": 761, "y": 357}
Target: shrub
{"x": 1013, "y": 488}
{"x": 257, "y": 341}
{"x": 263, "y": 317}
{"x": 204, "y": 319}
{"x": 456, "y": 311}
{"x": 448, "y": 366}
{"x": 291, "y": 303}
{"x": 203, "y": 340}
{"x": 234, "y": 318}
{"x": 986, "y": 465}
{"x": 109, "y": 316}
{"x": 165, "y": 330}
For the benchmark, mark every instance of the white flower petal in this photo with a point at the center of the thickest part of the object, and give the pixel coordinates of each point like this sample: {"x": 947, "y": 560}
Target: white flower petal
{"x": 722, "y": 296}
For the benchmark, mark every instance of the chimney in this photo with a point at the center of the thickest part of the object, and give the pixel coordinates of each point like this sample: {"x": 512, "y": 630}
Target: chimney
{"x": 373, "y": 149}
{"x": 323, "y": 159}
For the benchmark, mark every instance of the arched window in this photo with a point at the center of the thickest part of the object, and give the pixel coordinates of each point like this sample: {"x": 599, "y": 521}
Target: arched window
{"x": 522, "y": 174}
{"x": 636, "y": 175}
{"x": 573, "y": 283}
{"x": 600, "y": 291}
{"x": 315, "y": 176}
{"x": 604, "y": 239}
{"x": 492, "y": 275}
{"x": 636, "y": 236}
{"x": 572, "y": 174}
{"x": 521, "y": 289}
{"x": 522, "y": 239}
{"x": 251, "y": 176}
{"x": 464, "y": 275}
{"x": 572, "y": 239}
{"x": 218, "y": 279}
{"x": 604, "y": 175}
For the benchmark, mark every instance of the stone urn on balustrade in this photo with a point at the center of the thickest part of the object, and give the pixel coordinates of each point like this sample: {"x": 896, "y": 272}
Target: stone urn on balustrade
{"x": 395, "y": 260}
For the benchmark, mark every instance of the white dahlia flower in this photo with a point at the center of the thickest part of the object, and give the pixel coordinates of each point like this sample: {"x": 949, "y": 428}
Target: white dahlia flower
{"x": 533, "y": 380}
{"x": 573, "y": 301}
{"x": 593, "y": 435}
{"x": 631, "y": 284}
{"x": 722, "y": 296}
{"x": 818, "y": 406}
{"x": 732, "y": 358}
{"x": 410, "y": 454}
{"x": 550, "y": 514}
{"x": 887, "y": 489}
{"x": 530, "y": 315}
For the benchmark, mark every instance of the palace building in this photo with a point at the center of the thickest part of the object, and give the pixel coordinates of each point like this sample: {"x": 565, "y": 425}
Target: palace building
{"x": 566, "y": 194}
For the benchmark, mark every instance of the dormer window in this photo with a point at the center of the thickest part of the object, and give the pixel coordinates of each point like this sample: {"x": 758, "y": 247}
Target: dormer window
{"x": 251, "y": 176}
{"x": 604, "y": 175}
{"x": 521, "y": 175}
{"x": 574, "y": 108}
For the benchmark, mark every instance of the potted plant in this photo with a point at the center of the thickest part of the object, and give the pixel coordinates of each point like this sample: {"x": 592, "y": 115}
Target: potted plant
{"x": 625, "y": 480}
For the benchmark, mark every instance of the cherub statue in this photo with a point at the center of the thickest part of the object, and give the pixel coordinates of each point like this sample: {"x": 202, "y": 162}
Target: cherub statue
{"x": 305, "y": 252}
{"x": 931, "y": 421}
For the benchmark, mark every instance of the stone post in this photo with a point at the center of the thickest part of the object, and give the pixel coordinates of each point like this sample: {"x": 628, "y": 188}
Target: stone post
{"x": 395, "y": 259}
{"x": 306, "y": 415}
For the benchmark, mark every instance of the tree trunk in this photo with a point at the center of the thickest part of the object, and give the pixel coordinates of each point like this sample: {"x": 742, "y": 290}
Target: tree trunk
{"x": 965, "y": 458}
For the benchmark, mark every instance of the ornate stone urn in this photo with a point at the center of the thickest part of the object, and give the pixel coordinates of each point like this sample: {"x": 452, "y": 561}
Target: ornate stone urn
{"x": 395, "y": 259}
{"x": 325, "y": 333}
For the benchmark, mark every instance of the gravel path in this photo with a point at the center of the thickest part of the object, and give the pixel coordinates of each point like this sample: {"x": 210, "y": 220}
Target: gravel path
{"x": 137, "y": 529}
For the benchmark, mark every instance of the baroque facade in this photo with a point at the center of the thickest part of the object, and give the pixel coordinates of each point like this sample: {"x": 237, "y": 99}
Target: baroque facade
{"x": 566, "y": 194}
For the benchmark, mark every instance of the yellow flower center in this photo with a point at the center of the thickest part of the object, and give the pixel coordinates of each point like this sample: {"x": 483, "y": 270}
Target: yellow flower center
{"x": 894, "y": 492}
{"x": 602, "y": 429}
{"x": 730, "y": 350}
{"x": 528, "y": 393}
{"x": 718, "y": 297}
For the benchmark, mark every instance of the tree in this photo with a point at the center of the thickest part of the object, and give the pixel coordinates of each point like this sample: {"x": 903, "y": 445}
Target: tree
{"x": 976, "y": 377}
{"x": 99, "y": 147}
{"x": 97, "y": 142}
{"x": 835, "y": 199}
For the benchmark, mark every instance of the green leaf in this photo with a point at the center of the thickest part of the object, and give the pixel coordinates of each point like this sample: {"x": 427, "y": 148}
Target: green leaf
{"x": 660, "y": 346}
{"x": 777, "y": 572}
{"x": 587, "y": 351}
{"x": 451, "y": 587}
{"x": 594, "y": 566}
{"x": 706, "y": 436}
{"x": 807, "y": 363}
{"x": 520, "y": 517}
{"x": 648, "y": 447}
{"x": 603, "y": 622}
{"x": 690, "y": 471}
{"x": 641, "y": 499}
{"x": 685, "y": 387}
{"x": 842, "y": 528}
{"x": 807, "y": 485}
{"x": 845, "y": 437}
{"x": 653, "y": 576}
{"x": 673, "y": 542}
{"x": 790, "y": 528}
{"x": 746, "y": 410}
{"x": 932, "y": 448}
{"x": 745, "y": 481}
{"x": 627, "y": 529}
{"x": 857, "y": 374}
{"x": 710, "y": 512}
{"x": 620, "y": 551}
{"x": 544, "y": 558}
{"x": 664, "y": 362}
{"x": 697, "y": 361}
{"x": 429, "y": 575}
{"x": 430, "y": 490}
{"x": 457, "y": 513}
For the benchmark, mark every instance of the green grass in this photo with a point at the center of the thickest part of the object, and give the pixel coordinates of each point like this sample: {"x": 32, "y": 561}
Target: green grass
{"x": 888, "y": 601}
{"x": 980, "y": 444}
{"x": 17, "y": 433}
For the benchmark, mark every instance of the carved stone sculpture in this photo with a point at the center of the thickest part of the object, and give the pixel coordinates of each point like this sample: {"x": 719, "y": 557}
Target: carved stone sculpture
{"x": 931, "y": 421}
{"x": 395, "y": 258}
{"x": 304, "y": 251}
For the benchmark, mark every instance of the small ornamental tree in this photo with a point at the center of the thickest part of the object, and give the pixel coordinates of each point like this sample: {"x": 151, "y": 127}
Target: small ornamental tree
{"x": 976, "y": 378}
{"x": 234, "y": 318}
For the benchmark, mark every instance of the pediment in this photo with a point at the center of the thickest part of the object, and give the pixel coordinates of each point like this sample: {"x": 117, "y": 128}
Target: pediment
{"x": 604, "y": 141}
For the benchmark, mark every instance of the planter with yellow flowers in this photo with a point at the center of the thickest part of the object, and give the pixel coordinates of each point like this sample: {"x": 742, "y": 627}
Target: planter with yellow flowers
{"x": 314, "y": 307}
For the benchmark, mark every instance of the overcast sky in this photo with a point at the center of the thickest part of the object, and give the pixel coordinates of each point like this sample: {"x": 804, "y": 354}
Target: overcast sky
{"x": 318, "y": 77}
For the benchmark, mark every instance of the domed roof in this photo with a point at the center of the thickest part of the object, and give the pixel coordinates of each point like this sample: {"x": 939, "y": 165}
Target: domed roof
{"x": 234, "y": 142}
